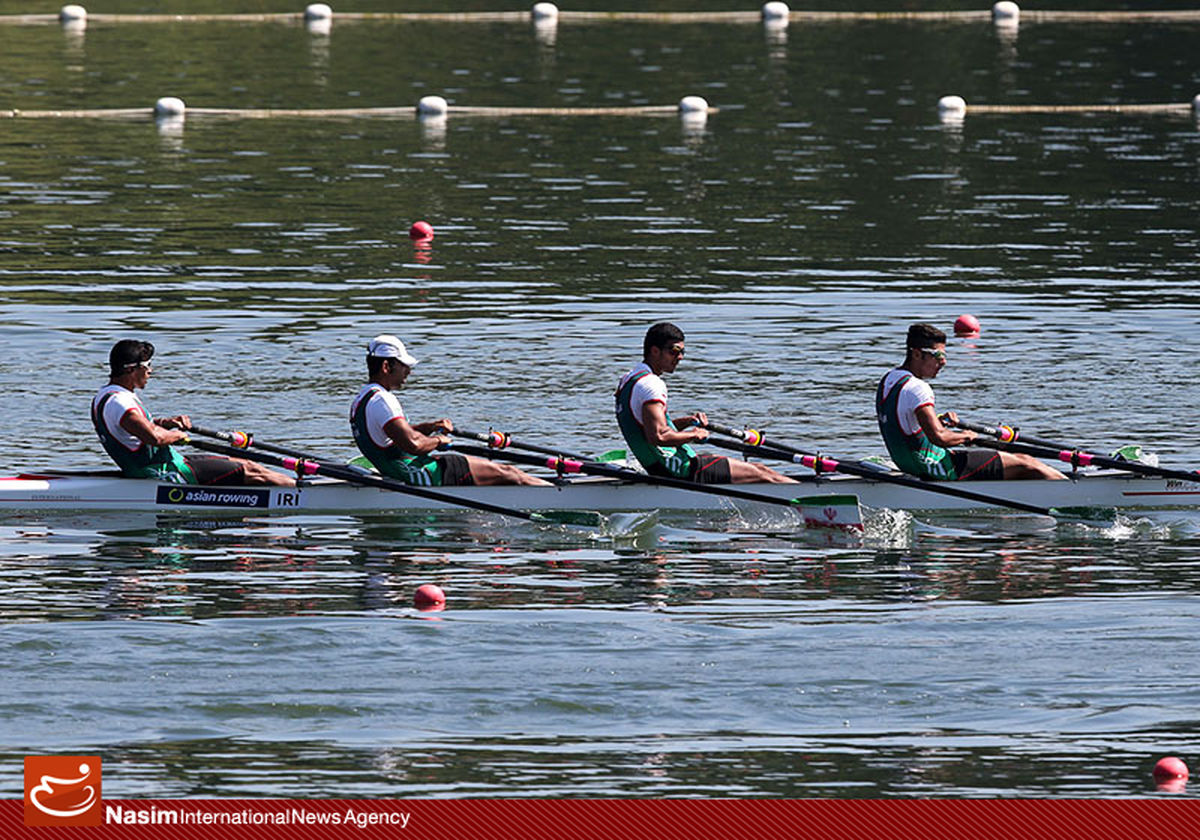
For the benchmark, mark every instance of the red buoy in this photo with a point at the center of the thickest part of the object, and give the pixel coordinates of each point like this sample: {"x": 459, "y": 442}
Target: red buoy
{"x": 429, "y": 596}
{"x": 966, "y": 326}
{"x": 420, "y": 230}
{"x": 1170, "y": 768}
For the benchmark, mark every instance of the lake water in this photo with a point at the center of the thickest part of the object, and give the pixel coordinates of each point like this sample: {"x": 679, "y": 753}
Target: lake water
{"x": 794, "y": 237}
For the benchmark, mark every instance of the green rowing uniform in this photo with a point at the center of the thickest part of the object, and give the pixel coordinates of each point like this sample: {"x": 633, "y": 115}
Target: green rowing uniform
{"x": 135, "y": 458}
{"x": 369, "y": 413}
{"x": 637, "y": 388}
{"x": 898, "y": 397}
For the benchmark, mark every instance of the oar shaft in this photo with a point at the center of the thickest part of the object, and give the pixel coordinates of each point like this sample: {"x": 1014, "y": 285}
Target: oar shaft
{"x": 243, "y": 440}
{"x": 304, "y": 465}
{"x": 570, "y": 465}
{"x": 823, "y": 464}
{"x": 501, "y": 440}
{"x": 1010, "y": 440}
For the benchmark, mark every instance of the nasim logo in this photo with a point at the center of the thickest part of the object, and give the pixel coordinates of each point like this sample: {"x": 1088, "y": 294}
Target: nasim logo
{"x": 62, "y": 790}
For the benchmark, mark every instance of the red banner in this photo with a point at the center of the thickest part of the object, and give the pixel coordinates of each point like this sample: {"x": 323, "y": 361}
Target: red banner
{"x": 651, "y": 819}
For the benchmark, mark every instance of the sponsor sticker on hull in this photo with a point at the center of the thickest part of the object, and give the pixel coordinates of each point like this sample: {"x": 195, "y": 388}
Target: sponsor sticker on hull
{"x": 235, "y": 497}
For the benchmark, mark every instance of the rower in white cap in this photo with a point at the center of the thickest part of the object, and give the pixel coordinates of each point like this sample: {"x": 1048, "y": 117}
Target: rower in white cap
{"x": 404, "y": 450}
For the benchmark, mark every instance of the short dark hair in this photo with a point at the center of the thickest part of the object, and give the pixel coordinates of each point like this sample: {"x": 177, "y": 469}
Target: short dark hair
{"x": 662, "y": 335}
{"x": 127, "y": 353}
{"x": 924, "y": 335}
{"x": 375, "y": 364}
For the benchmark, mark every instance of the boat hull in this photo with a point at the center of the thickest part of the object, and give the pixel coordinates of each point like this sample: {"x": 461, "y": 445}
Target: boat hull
{"x": 104, "y": 492}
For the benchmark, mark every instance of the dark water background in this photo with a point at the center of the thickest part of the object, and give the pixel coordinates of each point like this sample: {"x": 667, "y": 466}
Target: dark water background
{"x": 794, "y": 237}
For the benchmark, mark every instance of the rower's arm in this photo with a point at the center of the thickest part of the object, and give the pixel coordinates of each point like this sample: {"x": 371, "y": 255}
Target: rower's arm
{"x": 435, "y": 427}
{"x": 411, "y": 440}
{"x": 151, "y": 434}
{"x": 658, "y": 429}
{"x": 938, "y": 433}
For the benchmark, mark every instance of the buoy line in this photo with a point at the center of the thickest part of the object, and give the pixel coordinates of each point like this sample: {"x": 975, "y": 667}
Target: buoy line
{"x": 1148, "y": 108}
{"x": 691, "y": 107}
{"x": 955, "y": 108}
{"x": 775, "y": 13}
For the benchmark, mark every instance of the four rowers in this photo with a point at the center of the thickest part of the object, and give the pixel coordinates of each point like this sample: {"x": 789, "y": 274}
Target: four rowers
{"x": 918, "y": 441}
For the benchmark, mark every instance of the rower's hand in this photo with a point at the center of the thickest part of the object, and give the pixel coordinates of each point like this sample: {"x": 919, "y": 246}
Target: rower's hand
{"x": 699, "y": 433}
{"x": 444, "y": 425}
{"x": 179, "y": 421}
{"x": 949, "y": 418}
{"x": 174, "y": 436}
{"x": 443, "y": 441}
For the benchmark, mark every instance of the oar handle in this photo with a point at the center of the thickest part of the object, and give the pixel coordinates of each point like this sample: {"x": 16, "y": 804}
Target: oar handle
{"x": 750, "y": 437}
{"x": 238, "y": 440}
{"x": 1002, "y": 433}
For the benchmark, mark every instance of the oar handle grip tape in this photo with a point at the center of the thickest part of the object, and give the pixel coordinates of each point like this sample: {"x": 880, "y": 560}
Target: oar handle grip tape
{"x": 750, "y": 437}
{"x": 498, "y": 440}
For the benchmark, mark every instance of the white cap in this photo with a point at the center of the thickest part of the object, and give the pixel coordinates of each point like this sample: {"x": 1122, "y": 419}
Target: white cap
{"x": 390, "y": 347}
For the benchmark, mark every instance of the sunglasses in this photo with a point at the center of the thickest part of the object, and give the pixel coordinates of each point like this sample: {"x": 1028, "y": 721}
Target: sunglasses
{"x": 149, "y": 368}
{"x": 940, "y": 355}
{"x": 674, "y": 351}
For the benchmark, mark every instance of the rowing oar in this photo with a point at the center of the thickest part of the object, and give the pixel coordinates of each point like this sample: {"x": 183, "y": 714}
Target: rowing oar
{"x": 830, "y": 511}
{"x": 1010, "y": 439}
{"x": 755, "y": 444}
{"x": 503, "y": 440}
{"x": 303, "y": 464}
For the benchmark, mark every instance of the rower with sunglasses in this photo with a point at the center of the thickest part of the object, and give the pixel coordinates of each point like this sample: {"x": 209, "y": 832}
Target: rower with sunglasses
{"x": 916, "y": 438}
{"x": 141, "y": 445}
{"x": 663, "y": 445}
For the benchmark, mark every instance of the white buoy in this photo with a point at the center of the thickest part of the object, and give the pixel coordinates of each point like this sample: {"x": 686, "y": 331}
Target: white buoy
{"x": 72, "y": 13}
{"x": 693, "y": 112}
{"x": 544, "y": 12}
{"x": 952, "y": 108}
{"x": 775, "y": 13}
{"x": 1006, "y": 13}
{"x": 432, "y": 106}
{"x": 318, "y": 11}
{"x": 1196, "y": 103}
{"x": 169, "y": 106}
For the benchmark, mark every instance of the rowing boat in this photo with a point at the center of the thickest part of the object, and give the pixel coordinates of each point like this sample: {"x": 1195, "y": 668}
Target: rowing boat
{"x": 76, "y": 491}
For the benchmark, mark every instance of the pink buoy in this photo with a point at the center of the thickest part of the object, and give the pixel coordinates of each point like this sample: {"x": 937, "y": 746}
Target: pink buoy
{"x": 429, "y": 597}
{"x": 1170, "y": 768}
{"x": 420, "y": 230}
{"x": 966, "y": 326}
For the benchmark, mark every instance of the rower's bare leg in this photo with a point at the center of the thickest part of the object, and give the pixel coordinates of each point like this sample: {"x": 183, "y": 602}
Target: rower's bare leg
{"x": 485, "y": 472}
{"x": 748, "y": 472}
{"x": 257, "y": 473}
{"x": 1020, "y": 465}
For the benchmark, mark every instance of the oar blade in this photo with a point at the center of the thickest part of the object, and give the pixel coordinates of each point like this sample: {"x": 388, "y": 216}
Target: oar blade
{"x": 1097, "y": 516}
{"x": 586, "y": 518}
{"x": 836, "y": 512}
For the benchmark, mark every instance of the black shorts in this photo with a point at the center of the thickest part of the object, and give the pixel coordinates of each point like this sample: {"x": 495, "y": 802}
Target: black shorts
{"x": 456, "y": 471}
{"x": 977, "y": 464}
{"x": 216, "y": 469}
{"x": 711, "y": 469}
